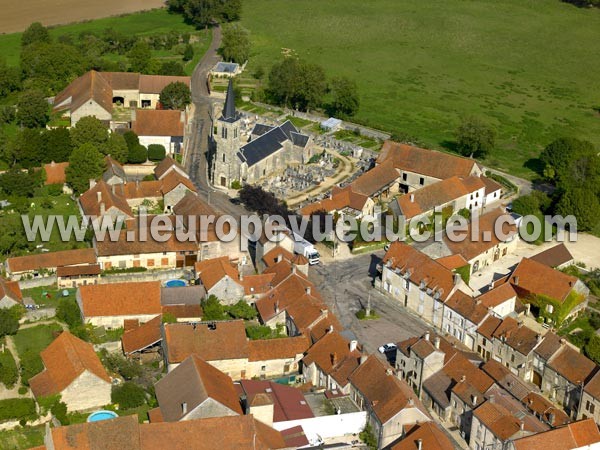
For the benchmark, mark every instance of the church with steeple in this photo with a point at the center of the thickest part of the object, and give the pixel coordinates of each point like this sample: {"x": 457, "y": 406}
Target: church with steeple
{"x": 267, "y": 152}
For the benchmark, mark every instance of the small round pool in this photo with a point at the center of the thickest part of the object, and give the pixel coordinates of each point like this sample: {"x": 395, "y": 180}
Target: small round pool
{"x": 175, "y": 283}
{"x": 101, "y": 415}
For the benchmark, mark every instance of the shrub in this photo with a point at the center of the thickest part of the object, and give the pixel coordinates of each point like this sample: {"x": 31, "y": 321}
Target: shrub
{"x": 128, "y": 395}
{"x": 9, "y": 374}
{"x": 236, "y": 184}
{"x": 242, "y": 310}
{"x": 156, "y": 152}
{"x": 31, "y": 365}
{"x": 54, "y": 190}
{"x": 9, "y": 321}
{"x": 68, "y": 311}
{"x": 116, "y": 363}
{"x": 17, "y": 408}
{"x": 59, "y": 410}
{"x": 22, "y": 390}
{"x": 137, "y": 154}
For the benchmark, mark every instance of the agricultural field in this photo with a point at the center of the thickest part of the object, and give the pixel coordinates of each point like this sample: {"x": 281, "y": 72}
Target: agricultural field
{"x": 148, "y": 23}
{"x": 16, "y": 16}
{"x": 525, "y": 67}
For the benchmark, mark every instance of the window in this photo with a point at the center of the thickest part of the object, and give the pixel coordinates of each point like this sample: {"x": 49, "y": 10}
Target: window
{"x": 223, "y": 157}
{"x": 404, "y": 177}
{"x": 512, "y": 358}
{"x": 421, "y": 181}
{"x": 589, "y": 406}
{"x": 263, "y": 368}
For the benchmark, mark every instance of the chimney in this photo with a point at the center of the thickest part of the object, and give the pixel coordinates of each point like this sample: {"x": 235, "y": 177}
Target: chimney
{"x": 333, "y": 359}
{"x": 330, "y": 329}
{"x": 137, "y": 184}
{"x": 241, "y": 276}
{"x": 363, "y": 358}
{"x": 114, "y": 189}
{"x": 538, "y": 337}
{"x": 419, "y": 444}
{"x": 516, "y": 280}
{"x": 293, "y": 268}
{"x": 436, "y": 342}
{"x": 278, "y": 258}
{"x": 522, "y": 425}
{"x": 184, "y": 408}
{"x": 388, "y": 371}
{"x": 307, "y": 290}
{"x": 412, "y": 198}
{"x": 99, "y": 195}
{"x": 52, "y": 164}
{"x": 474, "y": 399}
{"x": 491, "y": 398}
{"x": 463, "y": 378}
{"x": 276, "y": 306}
{"x": 456, "y": 279}
{"x": 92, "y": 183}
{"x": 426, "y": 336}
{"x": 353, "y": 345}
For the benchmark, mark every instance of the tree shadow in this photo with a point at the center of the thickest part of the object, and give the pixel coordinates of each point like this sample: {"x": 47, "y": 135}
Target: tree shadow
{"x": 536, "y": 165}
{"x": 450, "y": 145}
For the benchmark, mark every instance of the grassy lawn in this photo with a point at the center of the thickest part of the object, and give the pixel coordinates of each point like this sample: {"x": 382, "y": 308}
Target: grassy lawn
{"x": 36, "y": 338}
{"x": 44, "y": 205}
{"x": 421, "y": 66}
{"x": 299, "y": 122}
{"x": 139, "y": 24}
{"x": 22, "y": 437}
{"x": 200, "y": 48}
{"x": 48, "y": 295}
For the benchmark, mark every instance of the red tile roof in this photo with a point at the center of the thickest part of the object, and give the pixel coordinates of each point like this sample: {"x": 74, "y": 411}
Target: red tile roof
{"x": 55, "y": 173}
{"x": 154, "y": 84}
{"x": 64, "y": 360}
{"x": 467, "y": 307}
{"x": 121, "y": 299}
{"x": 289, "y": 402}
{"x": 143, "y": 336}
{"x": 282, "y": 348}
{"x": 426, "y": 162}
{"x": 421, "y": 268}
{"x": 378, "y": 178}
{"x": 534, "y": 278}
{"x": 10, "y": 289}
{"x": 51, "y": 260}
{"x": 211, "y": 271}
{"x": 497, "y": 296}
{"x": 554, "y": 256}
{"x": 452, "y": 262}
{"x": 574, "y": 435}
{"x": 157, "y": 122}
{"x": 430, "y": 436}
{"x": 572, "y": 365}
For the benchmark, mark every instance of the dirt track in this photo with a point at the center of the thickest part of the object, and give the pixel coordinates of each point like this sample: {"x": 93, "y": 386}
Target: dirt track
{"x": 17, "y": 15}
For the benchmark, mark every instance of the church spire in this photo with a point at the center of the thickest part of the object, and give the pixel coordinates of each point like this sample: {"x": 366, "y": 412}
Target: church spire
{"x": 229, "y": 112}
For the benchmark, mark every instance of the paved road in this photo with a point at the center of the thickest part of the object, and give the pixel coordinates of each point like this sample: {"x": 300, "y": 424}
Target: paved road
{"x": 202, "y": 122}
{"x": 346, "y": 286}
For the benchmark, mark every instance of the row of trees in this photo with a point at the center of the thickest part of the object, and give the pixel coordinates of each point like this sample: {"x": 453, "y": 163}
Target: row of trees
{"x": 203, "y": 13}
{"x": 301, "y": 85}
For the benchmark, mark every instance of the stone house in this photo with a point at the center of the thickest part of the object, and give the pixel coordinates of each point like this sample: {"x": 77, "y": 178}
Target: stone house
{"x": 590, "y": 400}
{"x": 462, "y": 316}
{"x": 196, "y": 390}
{"x": 73, "y": 370}
{"x": 36, "y": 264}
{"x": 10, "y": 294}
{"x": 344, "y": 201}
{"x": 161, "y": 127}
{"x": 390, "y": 403}
{"x": 418, "y": 282}
{"x": 110, "y": 305}
{"x": 500, "y": 300}
{"x": 577, "y": 435}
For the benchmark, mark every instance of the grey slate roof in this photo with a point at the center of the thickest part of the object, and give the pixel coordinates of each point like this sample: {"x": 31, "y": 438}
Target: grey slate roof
{"x": 113, "y": 169}
{"x": 186, "y": 295}
{"x": 260, "y": 129}
{"x": 229, "y": 112}
{"x": 438, "y": 387}
{"x": 270, "y": 142}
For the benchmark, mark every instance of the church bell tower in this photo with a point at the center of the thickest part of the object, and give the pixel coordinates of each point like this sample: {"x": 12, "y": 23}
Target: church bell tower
{"x": 226, "y": 165}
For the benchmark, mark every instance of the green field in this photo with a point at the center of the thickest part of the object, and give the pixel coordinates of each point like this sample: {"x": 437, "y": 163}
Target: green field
{"x": 528, "y": 67}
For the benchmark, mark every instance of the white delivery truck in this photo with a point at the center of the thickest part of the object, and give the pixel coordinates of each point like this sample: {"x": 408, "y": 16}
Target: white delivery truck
{"x": 306, "y": 249}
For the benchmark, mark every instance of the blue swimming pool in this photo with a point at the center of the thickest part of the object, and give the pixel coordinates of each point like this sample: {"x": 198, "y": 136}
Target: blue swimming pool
{"x": 101, "y": 415}
{"x": 175, "y": 283}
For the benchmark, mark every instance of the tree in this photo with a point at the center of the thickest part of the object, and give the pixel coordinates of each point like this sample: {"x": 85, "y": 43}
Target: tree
{"x": 475, "y": 138}
{"x": 212, "y": 309}
{"x": 9, "y": 321}
{"x": 242, "y": 310}
{"x": 116, "y": 147}
{"x": 156, "y": 152}
{"x": 235, "y": 43}
{"x": 128, "y": 395}
{"x": 175, "y": 96}
{"x": 583, "y": 204}
{"x": 592, "y": 348}
{"x": 345, "y": 97}
{"x": 12, "y": 237}
{"x": 570, "y": 163}
{"x": 25, "y": 148}
{"x": 131, "y": 139}
{"x": 188, "y": 53}
{"x": 139, "y": 57}
{"x": 89, "y": 130}
{"x": 19, "y": 183}
{"x": 36, "y": 32}
{"x": 86, "y": 163}
{"x": 203, "y": 13}
{"x": 56, "y": 145}
{"x": 32, "y": 109}
{"x": 10, "y": 79}
{"x": 172, "y": 68}
{"x": 68, "y": 311}
{"x": 298, "y": 84}
{"x": 535, "y": 203}
{"x": 9, "y": 373}
{"x": 137, "y": 155}
{"x": 50, "y": 66}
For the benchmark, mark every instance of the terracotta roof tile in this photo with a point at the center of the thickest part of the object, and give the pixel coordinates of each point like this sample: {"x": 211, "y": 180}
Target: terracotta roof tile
{"x": 426, "y": 162}
{"x": 376, "y": 179}
{"x": 289, "y": 402}
{"x": 467, "y": 307}
{"x": 428, "y": 434}
{"x": 115, "y": 434}
{"x": 572, "y": 365}
{"x": 143, "y": 336}
{"x": 226, "y": 341}
{"x": 385, "y": 392}
{"x": 183, "y": 311}
{"x": 90, "y": 86}
{"x": 91, "y": 201}
{"x": 64, "y": 360}
{"x": 490, "y": 185}
{"x": 329, "y": 352}
{"x": 257, "y": 284}
{"x": 154, "y": 84}
{"x": 275, "y": 255}
{"x": 452, "y": 262}
{"x": 459, "y": 367}
{"x": 534, "y": 278}
{"x": 498, "y": 420}
{"x": 420, "y": 267}
{"x": 10, "y": 289}
{"x": 133, "y": 245}
{"x": 554, "y": 256}
{"x": 55, "y": 173}
{"x": 70, "y": 271}
{"x": 282, "y": 348}
{"x": 543, "y": 407}
{"x": 497, "y": 296}
{"x": 51, "y": 260}
{"x": 574, "y": 435}
{"x": 121, "y": 299}
{"x": 166, "y": 165}
{"x": 211, "y": 271}
{"x": 489, "y": 325}
{"x": 550, "y": 344}
{"x": 157, "y": 122}
{"x": 193, "y": 382}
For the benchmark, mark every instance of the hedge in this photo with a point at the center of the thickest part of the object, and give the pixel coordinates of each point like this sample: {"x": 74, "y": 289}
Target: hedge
{"x": 17, "y": 408}
{"x": 156, "y": 152}
{"x": 9, "y": 373}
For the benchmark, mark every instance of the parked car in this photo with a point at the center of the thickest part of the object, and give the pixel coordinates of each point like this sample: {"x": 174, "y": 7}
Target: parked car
{"x": 387, "y": 348}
